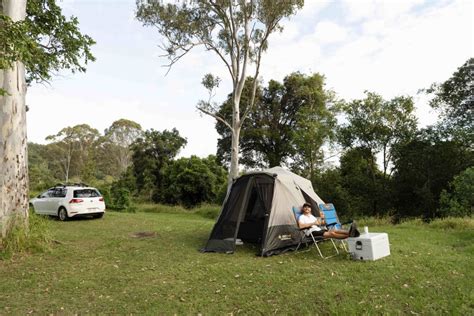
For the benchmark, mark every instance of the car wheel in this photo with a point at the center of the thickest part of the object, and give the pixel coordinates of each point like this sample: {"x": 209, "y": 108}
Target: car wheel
{"x": 62, "y": 214}
{"x": 99, "y": 215}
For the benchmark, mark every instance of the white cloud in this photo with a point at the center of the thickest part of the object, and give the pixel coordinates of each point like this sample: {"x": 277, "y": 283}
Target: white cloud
{"x": 327, "y": 32}
{"x": 313, "y": 7}
{"x": 357, "y": 11}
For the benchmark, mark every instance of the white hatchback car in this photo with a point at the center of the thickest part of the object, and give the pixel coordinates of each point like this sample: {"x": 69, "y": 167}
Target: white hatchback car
{"x": 67, "y": 201}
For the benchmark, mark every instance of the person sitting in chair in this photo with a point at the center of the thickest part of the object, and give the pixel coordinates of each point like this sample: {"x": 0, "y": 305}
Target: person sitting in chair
{"x": 316, "y": 226}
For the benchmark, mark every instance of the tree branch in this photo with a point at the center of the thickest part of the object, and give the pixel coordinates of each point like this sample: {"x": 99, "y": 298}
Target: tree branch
{"x": 217, "y": 117}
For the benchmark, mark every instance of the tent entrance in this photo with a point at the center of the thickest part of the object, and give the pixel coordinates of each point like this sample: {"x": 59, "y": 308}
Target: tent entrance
{"x": 253, "y": 220}
{"x": 244, "y": 214}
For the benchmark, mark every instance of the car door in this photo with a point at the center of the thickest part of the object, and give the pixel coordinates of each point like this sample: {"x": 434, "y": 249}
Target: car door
{"x": 41, "y": 202}
{"x": 54, "y": 200}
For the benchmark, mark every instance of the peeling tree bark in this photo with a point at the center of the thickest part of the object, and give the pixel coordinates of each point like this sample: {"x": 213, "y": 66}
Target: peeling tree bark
{"x": 13, "y": 141}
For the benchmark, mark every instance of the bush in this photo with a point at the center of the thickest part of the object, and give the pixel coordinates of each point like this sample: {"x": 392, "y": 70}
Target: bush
{"x": 120, "y": 197}
{"x": 192, "y": 181}
{"x": 460, "y": 201}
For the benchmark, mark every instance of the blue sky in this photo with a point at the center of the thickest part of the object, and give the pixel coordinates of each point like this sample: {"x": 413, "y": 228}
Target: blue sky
{"x": 389, "y": 47}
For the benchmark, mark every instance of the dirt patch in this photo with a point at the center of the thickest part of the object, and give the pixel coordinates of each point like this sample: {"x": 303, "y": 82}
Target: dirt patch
{"x": 144, "y": 235}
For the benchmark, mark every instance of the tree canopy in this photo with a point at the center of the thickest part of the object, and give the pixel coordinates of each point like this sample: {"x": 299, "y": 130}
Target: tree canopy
{"x": 236, "y": 31}
{"x": 455, "y": 99}
{"x": 45, "y": 41}
{"x": 288, "y": 126}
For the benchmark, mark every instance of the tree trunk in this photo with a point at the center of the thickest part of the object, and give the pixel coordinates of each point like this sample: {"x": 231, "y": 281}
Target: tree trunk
{"x": 234, "y": 158}
{"x": 236, "y": 126}
{"x": 13, "y": 141}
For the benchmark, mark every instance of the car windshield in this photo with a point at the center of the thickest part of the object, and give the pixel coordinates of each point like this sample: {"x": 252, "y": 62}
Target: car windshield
{"x": 85, "y": 193}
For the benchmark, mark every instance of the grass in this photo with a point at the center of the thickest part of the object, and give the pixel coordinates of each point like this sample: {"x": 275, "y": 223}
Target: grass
{"x": 34, "y": 237}
{"x": 98, "y": 267}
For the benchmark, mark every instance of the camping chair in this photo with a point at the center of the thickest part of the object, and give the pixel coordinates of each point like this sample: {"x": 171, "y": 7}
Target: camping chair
{"x": 332, "y": 220}
{"x": 304, "y": 239}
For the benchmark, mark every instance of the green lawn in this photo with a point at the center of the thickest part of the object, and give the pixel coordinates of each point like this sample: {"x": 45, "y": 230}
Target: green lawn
{"x": 100, "y": 268}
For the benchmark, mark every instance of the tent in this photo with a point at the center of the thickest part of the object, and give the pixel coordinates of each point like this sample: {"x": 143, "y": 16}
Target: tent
{"x": 258, "y": 209}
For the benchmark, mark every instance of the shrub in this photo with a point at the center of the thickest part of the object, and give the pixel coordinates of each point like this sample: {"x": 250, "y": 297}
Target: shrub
{"x": 120, "y": 197}
{"x": 192, "y": 181}
{"x": 460, "y": 201}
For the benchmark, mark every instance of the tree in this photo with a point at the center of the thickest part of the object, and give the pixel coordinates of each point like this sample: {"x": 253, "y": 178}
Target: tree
{"x": 460, "y": 201}
{"x": 236, "y": 31}
{"x": 357, "y": 181}
{"x": 40, "y": 175}
{"x": 36, "y": 36}
{"x": 192, "y": 181}
{"x": 316, "y": 121}
{"x": 455, "y": 99}
{"x": 115, "y": 145}
{"x": 378, "y": 125}
{"x": 74, "y": 146}
{"x": 152, "y": 152}
{"x": 423, "y": 169}
{"x": 289, "y": 117}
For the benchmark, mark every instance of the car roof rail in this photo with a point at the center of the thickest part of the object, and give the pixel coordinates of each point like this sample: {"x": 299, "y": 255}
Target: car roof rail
{"x": 71, "y": 184}
{"x": 78, "y": 184}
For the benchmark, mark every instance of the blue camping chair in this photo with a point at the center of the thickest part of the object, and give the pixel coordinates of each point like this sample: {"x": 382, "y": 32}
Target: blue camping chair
{"x": 332, "y": 220}
{"x": 311, "y": 239}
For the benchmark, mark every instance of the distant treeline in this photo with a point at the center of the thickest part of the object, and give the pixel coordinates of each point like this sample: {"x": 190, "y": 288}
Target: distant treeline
{"x": 427, "y": 172}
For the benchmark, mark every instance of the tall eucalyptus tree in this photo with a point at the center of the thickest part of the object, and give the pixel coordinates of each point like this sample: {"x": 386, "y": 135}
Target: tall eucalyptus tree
{"x": 237, "y": 31}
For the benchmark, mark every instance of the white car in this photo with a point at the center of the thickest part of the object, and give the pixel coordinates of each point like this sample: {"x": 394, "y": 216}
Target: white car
{"x": 66, "y": 201}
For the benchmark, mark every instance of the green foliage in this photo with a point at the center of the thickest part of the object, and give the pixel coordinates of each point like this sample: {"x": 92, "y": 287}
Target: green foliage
{"x": 72, "y": 152}
{"x": 315, "y": 121}
{"x": 361, "y": 185}
{"x": 455, "y": 99}
{"x": 378, "y": 125}
{"x": 45, "y": 41}
{"x": 152, "y": 153}
{"x": 192, "y": 181}
{"x": 460, "y": 201}
{"x": 423, "y": 169}
{"x": 120, "y": 197}
{"x": 115, "y": 152}
{"x": 40, "y": 175}
{"x": 33, "y": 235}
{"x": 290, "y": 122}
{"x": 227, "y": 28}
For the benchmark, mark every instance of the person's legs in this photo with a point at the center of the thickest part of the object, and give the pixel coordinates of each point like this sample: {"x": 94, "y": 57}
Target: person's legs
{"x": 318, "y": 233}
{"x": 336, "y": 234}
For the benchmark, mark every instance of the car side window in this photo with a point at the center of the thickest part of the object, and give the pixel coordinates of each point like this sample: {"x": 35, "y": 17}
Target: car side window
{"x": 60, "y": 192}
{"x": 49, "y": 193}
{"x": 44, "y": 195}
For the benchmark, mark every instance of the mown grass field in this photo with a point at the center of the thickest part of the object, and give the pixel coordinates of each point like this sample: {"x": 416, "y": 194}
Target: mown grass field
{"x": 99, "y": 267}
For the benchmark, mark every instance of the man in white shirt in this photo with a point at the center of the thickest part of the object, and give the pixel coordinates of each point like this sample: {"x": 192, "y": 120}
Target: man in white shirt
{"x": 316, "y": 225}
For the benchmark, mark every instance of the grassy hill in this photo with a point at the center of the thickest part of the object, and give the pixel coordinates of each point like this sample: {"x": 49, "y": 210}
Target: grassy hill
{"x": 105, "y": 267}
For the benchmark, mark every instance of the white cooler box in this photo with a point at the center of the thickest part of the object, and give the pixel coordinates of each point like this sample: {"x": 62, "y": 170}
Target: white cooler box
{"x": 371, "y": 246}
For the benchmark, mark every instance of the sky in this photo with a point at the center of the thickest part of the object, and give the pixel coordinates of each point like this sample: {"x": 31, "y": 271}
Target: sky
{"x": 388, "y": 47}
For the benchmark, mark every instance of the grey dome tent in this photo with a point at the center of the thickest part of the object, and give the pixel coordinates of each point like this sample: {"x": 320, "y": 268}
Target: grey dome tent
{"x": 258, "y": 209}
